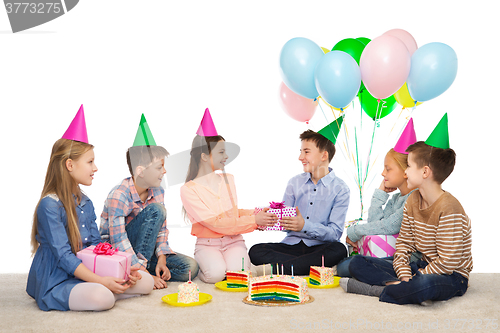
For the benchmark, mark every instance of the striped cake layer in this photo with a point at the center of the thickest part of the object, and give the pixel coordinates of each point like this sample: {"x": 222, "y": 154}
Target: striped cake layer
{"x": 321, "y": 276}
{"x": 280, "y": 288}
{"x": 237, "y": 279}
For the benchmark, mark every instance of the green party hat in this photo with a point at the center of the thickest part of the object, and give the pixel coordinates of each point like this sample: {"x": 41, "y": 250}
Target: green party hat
{"x": 439, "y": 137}
{"x": 144, "y": 137}
{"x": 331, "y": 131}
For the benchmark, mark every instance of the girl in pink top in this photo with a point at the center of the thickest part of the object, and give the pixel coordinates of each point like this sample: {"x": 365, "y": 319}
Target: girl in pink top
{"x": 210, "y": 202}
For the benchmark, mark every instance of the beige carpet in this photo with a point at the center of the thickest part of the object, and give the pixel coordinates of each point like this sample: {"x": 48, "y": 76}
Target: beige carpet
{"x": 332, "y": 310}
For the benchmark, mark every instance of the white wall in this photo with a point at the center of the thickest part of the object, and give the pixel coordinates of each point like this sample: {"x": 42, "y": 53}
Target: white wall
{"x": 171, "y": 60}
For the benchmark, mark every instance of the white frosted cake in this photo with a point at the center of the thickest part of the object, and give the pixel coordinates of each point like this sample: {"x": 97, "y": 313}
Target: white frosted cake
{"x": 188, "y": 293}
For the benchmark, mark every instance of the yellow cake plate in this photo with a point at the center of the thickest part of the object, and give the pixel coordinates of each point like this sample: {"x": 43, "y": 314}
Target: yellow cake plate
{"x": 333, "y": 285}
{"x": 223, "y": 286}
{"x": 172, "y": 300}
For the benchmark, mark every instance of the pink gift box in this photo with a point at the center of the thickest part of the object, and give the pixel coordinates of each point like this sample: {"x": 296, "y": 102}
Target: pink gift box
{"x": 280, "y": 212}
{"x": 378, "y": 246}
{"x": 116, "y": 265}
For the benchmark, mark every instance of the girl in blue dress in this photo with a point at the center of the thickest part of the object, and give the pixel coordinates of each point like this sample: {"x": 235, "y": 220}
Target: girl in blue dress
{"x": 63, "y": 224}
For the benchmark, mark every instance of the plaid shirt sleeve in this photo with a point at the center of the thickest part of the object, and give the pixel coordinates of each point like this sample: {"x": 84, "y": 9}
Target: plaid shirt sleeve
{"x": 119, "y": 207}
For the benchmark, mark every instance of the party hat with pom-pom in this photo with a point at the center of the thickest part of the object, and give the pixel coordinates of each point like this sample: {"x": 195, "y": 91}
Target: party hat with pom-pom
{"x": 144, "y": 137}
{"x": 207, "y": 127}
{"x": 77, "y": 130}
{"x": 407, "y": 138}
{"x": 331, "y": 131}
{"x": 439, "y": 137}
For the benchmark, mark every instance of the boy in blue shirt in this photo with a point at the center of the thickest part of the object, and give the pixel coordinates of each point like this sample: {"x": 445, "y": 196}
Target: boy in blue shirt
{"x": 321, "y": 200}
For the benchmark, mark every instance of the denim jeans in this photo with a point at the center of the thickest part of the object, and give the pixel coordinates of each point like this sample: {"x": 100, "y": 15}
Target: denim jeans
{"x": 179, "y": 266}
{"x": 142, "y": 233}
{"x": 343, "y": 267}
{"x": 420, "y": 288}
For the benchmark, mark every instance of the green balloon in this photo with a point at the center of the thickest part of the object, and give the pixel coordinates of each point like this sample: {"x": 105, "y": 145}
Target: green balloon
{"x": 350, "y": 46}
{"x": 370, "y": 105}
{"x": 364, "y": 40}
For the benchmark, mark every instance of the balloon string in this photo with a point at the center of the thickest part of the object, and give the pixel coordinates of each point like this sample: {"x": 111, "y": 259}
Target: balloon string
{"x": 338, "y": 126}
{"x": 321, "y": 108}
{"x": 346, "y": 148}
{"x": 407, "y": 119}
{"x": 377, "y": 117}
{"x": 360, "y": 187}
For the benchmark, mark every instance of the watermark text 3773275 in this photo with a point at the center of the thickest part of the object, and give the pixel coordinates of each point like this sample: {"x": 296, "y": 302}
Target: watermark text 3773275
{"x": 26, "y": 14}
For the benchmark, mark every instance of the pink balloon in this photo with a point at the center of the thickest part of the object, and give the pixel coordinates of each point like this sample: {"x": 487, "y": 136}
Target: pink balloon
{"x": 298, "y": 107}
{"x": 385, "y": 64}
{"x": 405, "y": 37}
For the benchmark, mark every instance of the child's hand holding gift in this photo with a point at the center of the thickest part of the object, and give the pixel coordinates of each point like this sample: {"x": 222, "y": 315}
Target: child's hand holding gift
{"x": 264, "y": 219}
{"x": 293, "y": 223}
{"x": 134, "y": 276}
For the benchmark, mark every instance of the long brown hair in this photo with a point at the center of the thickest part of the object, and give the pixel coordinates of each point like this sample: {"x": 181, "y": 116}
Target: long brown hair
{"x": 58, "y": 181}
{"x": 201, "y": 145}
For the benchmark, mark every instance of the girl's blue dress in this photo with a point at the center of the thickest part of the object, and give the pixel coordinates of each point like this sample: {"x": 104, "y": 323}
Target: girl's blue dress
{"x": 51, "y": 278}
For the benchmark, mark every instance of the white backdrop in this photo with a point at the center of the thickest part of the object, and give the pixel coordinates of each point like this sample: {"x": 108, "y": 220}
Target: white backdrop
{"x": 171, "y": 60}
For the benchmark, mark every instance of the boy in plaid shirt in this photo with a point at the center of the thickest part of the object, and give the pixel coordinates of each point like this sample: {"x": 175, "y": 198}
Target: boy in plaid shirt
{"x": 134, "y": 215}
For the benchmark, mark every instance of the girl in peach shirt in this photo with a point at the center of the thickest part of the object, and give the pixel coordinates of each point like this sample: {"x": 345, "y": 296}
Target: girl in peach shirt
{"x": 210, "y": 202}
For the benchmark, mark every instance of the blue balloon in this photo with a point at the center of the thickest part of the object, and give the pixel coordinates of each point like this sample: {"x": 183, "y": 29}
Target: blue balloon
{"x": 337, "y": 78}
{"x": 433, "y": 70}
{"x": 298, "y": 59}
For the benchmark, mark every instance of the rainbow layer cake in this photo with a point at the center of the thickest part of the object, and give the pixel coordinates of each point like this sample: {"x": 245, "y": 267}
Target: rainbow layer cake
{"x": 279, "y": 288}
{"x": 321, "y": 276}
{"x": 238, "y": 279}
{"x": 188, "y": 293}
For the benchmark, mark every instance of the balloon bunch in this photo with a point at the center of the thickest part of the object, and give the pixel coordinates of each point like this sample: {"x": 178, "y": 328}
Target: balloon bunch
{"x": 384, "y": 72}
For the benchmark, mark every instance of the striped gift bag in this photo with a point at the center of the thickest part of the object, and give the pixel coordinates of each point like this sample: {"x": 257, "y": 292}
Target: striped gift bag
{"x": 378, "y": 246}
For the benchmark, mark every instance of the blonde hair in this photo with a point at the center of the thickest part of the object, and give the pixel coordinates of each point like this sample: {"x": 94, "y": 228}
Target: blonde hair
{"x": 401, "y": 159}
{"x": 58, "y": 181}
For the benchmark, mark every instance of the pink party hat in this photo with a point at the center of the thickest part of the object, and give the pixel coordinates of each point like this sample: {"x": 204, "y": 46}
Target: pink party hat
{"x": 77, "y": 130}
{"x": 207, "y": 127}
{"x": 407, "y": 138}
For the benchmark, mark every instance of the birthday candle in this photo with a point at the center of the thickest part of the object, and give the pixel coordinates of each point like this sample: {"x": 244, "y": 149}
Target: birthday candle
{"x": 282, "y": 270}
{"x": 292, "y": 270}
{"x": 189, "y": 276}
{"x": 322, "y": 261}
{"x": 264, "y": 269}
{"x": 277, "y": 269}
{"x": 242, "y": 264}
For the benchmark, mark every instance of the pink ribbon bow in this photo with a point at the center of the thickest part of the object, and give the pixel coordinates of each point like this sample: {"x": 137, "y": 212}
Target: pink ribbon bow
{"x": 277, "y": 205}
{"x": 105, "y": 248}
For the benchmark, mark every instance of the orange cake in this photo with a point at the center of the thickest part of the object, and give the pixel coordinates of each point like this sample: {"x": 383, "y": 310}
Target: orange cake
{"x": 321, "y": 276}
{"x": 238, "y": 279}
{"x": 278, "y": 287}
